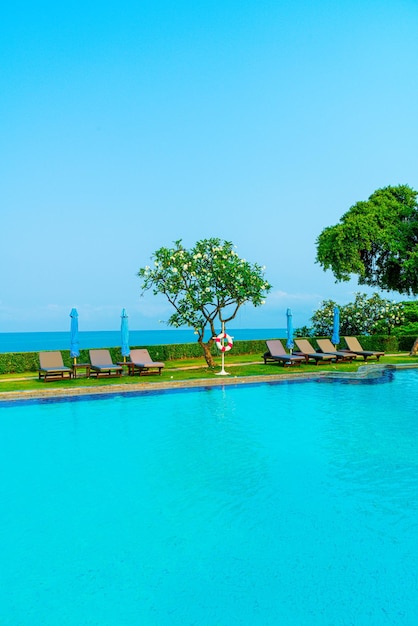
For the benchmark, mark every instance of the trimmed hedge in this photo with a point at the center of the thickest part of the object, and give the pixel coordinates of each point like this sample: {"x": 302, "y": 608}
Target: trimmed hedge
{"x": 384, "y": 343}
{"x": 19, "y": 362}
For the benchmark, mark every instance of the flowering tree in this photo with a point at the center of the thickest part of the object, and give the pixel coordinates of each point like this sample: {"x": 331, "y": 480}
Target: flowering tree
{"x": 364, "y": 316}
{"x": 322, "y": 320}
{"x": 206, "y": 283}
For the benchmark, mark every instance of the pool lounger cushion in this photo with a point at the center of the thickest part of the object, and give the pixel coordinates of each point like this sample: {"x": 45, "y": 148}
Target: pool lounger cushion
{"x": 326, "y": 346}
{"x": 102, "y": 364}
{"x": 355, "y": 346}
{"x": 142, "y": 363}
{"x": 51, "y": 366}
{"x": 277, "y": 354}
{"x": 306, "y": 350}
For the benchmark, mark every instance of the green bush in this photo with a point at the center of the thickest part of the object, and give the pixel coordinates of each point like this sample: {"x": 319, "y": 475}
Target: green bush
{"x": 19, "y": 362}
{"x": 385, "y": 343}
{"x": 15, "y": 362}
{"x": 406, "y": 342}
{"x": 407, "y": 329}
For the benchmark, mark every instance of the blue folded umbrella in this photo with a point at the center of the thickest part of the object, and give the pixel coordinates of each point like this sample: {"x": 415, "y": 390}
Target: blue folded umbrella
{"x": 74, "y": 345}
{"x": 124, "y": 332}
{"x": 336, "y": 327}
{"x": 289, "y": 342}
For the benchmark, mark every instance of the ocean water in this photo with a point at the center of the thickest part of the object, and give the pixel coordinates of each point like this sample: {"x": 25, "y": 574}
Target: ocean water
{"x": 261, "y": 505}
{"x": 33, "y": 342}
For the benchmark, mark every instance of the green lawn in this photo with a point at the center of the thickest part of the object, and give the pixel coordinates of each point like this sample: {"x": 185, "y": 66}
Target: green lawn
{"x": 195, "y": 369}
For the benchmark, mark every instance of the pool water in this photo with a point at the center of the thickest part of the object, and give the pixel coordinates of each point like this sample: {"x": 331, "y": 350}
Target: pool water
{"x": 287, "y": 504}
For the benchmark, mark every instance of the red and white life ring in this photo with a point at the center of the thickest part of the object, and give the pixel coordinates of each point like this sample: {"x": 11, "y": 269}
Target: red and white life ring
{"x": 224, "y": 347}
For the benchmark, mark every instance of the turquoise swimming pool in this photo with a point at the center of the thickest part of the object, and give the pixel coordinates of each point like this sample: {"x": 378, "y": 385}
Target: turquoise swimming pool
{"x": 292, "y": 504}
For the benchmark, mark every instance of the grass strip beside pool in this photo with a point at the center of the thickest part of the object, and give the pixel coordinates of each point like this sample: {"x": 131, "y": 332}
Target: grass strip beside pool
{"x": 192, "y": 371}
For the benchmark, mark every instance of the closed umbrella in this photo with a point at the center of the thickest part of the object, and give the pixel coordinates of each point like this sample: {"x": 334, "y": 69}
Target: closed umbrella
{"x": 124, "y": 333}
{"x": 336, "y": 327}
{"x": 289, "y": 342}
{"x": 74, "y": 346}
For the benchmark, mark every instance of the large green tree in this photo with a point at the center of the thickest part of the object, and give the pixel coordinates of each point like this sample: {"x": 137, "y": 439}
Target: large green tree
{"x": 377, "y": 240}
{"x": 207, "y": 283}
{"x": 410, "y": 323}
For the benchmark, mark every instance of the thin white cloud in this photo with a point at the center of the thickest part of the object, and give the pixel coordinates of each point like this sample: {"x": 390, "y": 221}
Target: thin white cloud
{"x": 283, "y": 296}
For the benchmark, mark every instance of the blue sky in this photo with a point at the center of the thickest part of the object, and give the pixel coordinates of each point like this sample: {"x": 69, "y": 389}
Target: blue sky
{"x": 129, "y": 125}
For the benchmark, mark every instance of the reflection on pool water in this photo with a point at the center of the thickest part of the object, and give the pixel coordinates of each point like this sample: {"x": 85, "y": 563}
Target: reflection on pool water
{"x": 259, "y": 505}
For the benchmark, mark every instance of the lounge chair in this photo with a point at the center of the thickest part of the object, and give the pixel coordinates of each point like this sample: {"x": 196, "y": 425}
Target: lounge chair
{"x": 326, "y": 346}
{"x": 354, "y": 346}
{"x": 51, "y": 366}
{"x": 142, "y": 363}
{"x": 306, "y": 350}
{"x": 276, "y": 353}
{"x": 102, "y": 364}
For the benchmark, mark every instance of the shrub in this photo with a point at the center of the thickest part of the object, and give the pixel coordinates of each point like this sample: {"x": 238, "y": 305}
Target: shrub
{"x": 19, "y": 362}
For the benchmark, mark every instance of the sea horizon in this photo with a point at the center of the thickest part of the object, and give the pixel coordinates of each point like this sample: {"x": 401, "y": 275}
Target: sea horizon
{"x": 60, "y": 340}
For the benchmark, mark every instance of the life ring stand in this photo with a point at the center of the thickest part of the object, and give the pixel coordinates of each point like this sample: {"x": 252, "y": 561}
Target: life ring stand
{"x": 222, "y": 346}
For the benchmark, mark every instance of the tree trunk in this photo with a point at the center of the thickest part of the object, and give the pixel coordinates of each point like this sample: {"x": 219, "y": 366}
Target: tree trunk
{"x": 207, "y": 353}
{"x": 414, "y": 348}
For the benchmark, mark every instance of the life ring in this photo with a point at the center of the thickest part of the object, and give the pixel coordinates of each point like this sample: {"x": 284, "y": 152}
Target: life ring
{"x": 224, "y": 347}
